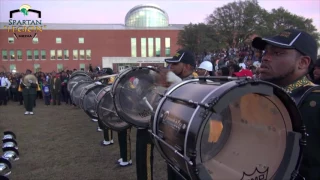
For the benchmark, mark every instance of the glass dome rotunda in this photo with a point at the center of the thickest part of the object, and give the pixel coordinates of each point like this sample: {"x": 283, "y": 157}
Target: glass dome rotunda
{"x": 147, "y": 15}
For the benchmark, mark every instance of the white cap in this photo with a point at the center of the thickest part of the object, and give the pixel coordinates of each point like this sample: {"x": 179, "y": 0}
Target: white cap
{"x": 206, "y": 65}
{"x": 257, "y": 64}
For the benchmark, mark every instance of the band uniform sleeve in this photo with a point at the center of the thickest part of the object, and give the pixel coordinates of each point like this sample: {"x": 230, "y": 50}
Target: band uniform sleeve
{"x": 8, "y": 83}
{"x": 310, "y": 112}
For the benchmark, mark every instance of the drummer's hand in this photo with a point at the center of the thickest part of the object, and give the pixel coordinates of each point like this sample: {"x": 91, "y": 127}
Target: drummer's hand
{"x": 98, "y": 83}
{"x": 161, "y": 78}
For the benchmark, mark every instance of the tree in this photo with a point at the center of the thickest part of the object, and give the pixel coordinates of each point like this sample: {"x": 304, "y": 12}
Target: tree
{"x": 198, "y": 38}
{"x": 281, "y": 19}
{"x": 236, "y": 21}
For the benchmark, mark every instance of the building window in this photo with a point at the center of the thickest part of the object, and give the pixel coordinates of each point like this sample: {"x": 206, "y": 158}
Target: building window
{"x": 29, "y": 55}
{"x": 66, "y": 54}
{"x": 133, "y": 47}
{"x": 60, "y": 67}
{"x": 43, "y": 55}
{"x": 81, "y": 40}
{"x": 75, "y": 54}
{"x": 36, "y": 67}
{"x": 81, "y": 53}
{"x": 58, "y": 40}
{"x": 150, "y": 47}
{"x": 59, "y": 54}
{"x": 88, "y": 54}
{"x": 19, "y": 55}
{"x": 143, "y": 47}
{"x": 35, "y": 40}
{"x": 52, "y": 54}
{"x": 167, "y": 46}
{"x": 13, "y": 68}
{"x": 158, "y": 47}
{"x": 10, "y": 40}
{"x": 82, "y": 67}
{"x": 12, "y": 55}
{"x": 4, "y": 55}
{"x": 36, "y": 54}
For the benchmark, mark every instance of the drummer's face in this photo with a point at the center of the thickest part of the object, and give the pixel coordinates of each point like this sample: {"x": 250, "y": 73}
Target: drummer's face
{"x": 201, "y": 72}
{"x": 177, "y": 68}
{"x": 279, "y": 65}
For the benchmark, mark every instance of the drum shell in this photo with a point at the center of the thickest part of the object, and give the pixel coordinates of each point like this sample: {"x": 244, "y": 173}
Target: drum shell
{"x": 88, "y": 99}
{"x": 78, "y": 76}
{"x": 134, "y": 110}
{"x": 191, "y": 135}
{"x": 106, "y": 111}
{"x": 76, "y": 91}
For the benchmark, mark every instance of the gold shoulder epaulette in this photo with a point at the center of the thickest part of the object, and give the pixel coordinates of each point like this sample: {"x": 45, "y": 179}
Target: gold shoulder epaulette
{"x": 195, "y": 75}
{"x": 111, "y": 80}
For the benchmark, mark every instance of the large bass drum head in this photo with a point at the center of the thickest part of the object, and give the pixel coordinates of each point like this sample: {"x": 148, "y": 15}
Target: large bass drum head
{"x": 76, "y": 91}
{"x": 77, "y": 76}
{"x": 249, "y": 130}
{"x": 107, "y": 113}
{"x": 89, "y": 104}
{"x": 129, "y": 91}
{"x": 251, "y": 134}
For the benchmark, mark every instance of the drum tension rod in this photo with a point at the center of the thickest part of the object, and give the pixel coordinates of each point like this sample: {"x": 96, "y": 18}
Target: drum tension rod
{"x": 222, "y": 78}
{"x": 188, "y": 101}
{"x": 187, "y": 159}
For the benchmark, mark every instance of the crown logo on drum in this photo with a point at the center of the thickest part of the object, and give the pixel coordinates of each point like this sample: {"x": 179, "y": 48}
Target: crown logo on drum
{"x": 256, "y": 175}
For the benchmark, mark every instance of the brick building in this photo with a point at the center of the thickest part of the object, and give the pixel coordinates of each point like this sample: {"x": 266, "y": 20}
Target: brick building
{"x": 146, "y": 34}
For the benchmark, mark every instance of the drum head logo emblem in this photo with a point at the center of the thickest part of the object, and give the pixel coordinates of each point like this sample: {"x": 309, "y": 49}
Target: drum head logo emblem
{"x": 256, "y": 175}
{"x": 165, "y": 115}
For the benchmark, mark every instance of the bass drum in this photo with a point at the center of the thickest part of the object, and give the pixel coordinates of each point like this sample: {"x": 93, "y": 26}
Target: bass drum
{"x": 107, "y": 113}
{"x": 241, "y": 129}
{"x": 88, "y": 99}
{"x": 76, "y": 91}
{"x": 77, "y": 76}
{"x": 130, "y": 91}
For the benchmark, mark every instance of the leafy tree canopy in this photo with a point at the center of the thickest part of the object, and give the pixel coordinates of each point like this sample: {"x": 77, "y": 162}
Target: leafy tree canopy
{"x": 236, "y": 23}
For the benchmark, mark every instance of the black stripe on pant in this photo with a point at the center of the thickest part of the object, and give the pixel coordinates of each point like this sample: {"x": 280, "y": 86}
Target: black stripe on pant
{"x": 107, "y": 134}
{"x": 125, "y": 144}
{"x": 144, "y": 155}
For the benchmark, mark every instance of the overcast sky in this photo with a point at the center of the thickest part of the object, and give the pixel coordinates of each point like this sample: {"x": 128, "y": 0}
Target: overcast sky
{"x": 114, "y": 11}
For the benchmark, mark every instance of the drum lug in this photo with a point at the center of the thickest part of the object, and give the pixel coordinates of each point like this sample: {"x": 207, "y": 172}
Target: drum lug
{"x": 303, "y": 141}
{"x": 214, "y": 101}
{"x": 196, "y": 170}
{"x": 160, "y": 134}
{"x": 241, "y": 82}
{"x": 193, "y": 154}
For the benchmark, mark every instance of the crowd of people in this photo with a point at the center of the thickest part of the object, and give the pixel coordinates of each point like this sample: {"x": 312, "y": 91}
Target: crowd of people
{"x": 239, "y": 62}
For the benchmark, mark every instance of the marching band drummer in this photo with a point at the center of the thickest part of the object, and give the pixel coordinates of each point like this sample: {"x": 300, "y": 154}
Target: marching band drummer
{"x": 286, "y": 62}
{"x": 182, "y": 67}
{"x": 29, "y": 94}
{"x": 123, "y": 136}
{"x": 182, "y": 64}
{"x": 4, "y": 86}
